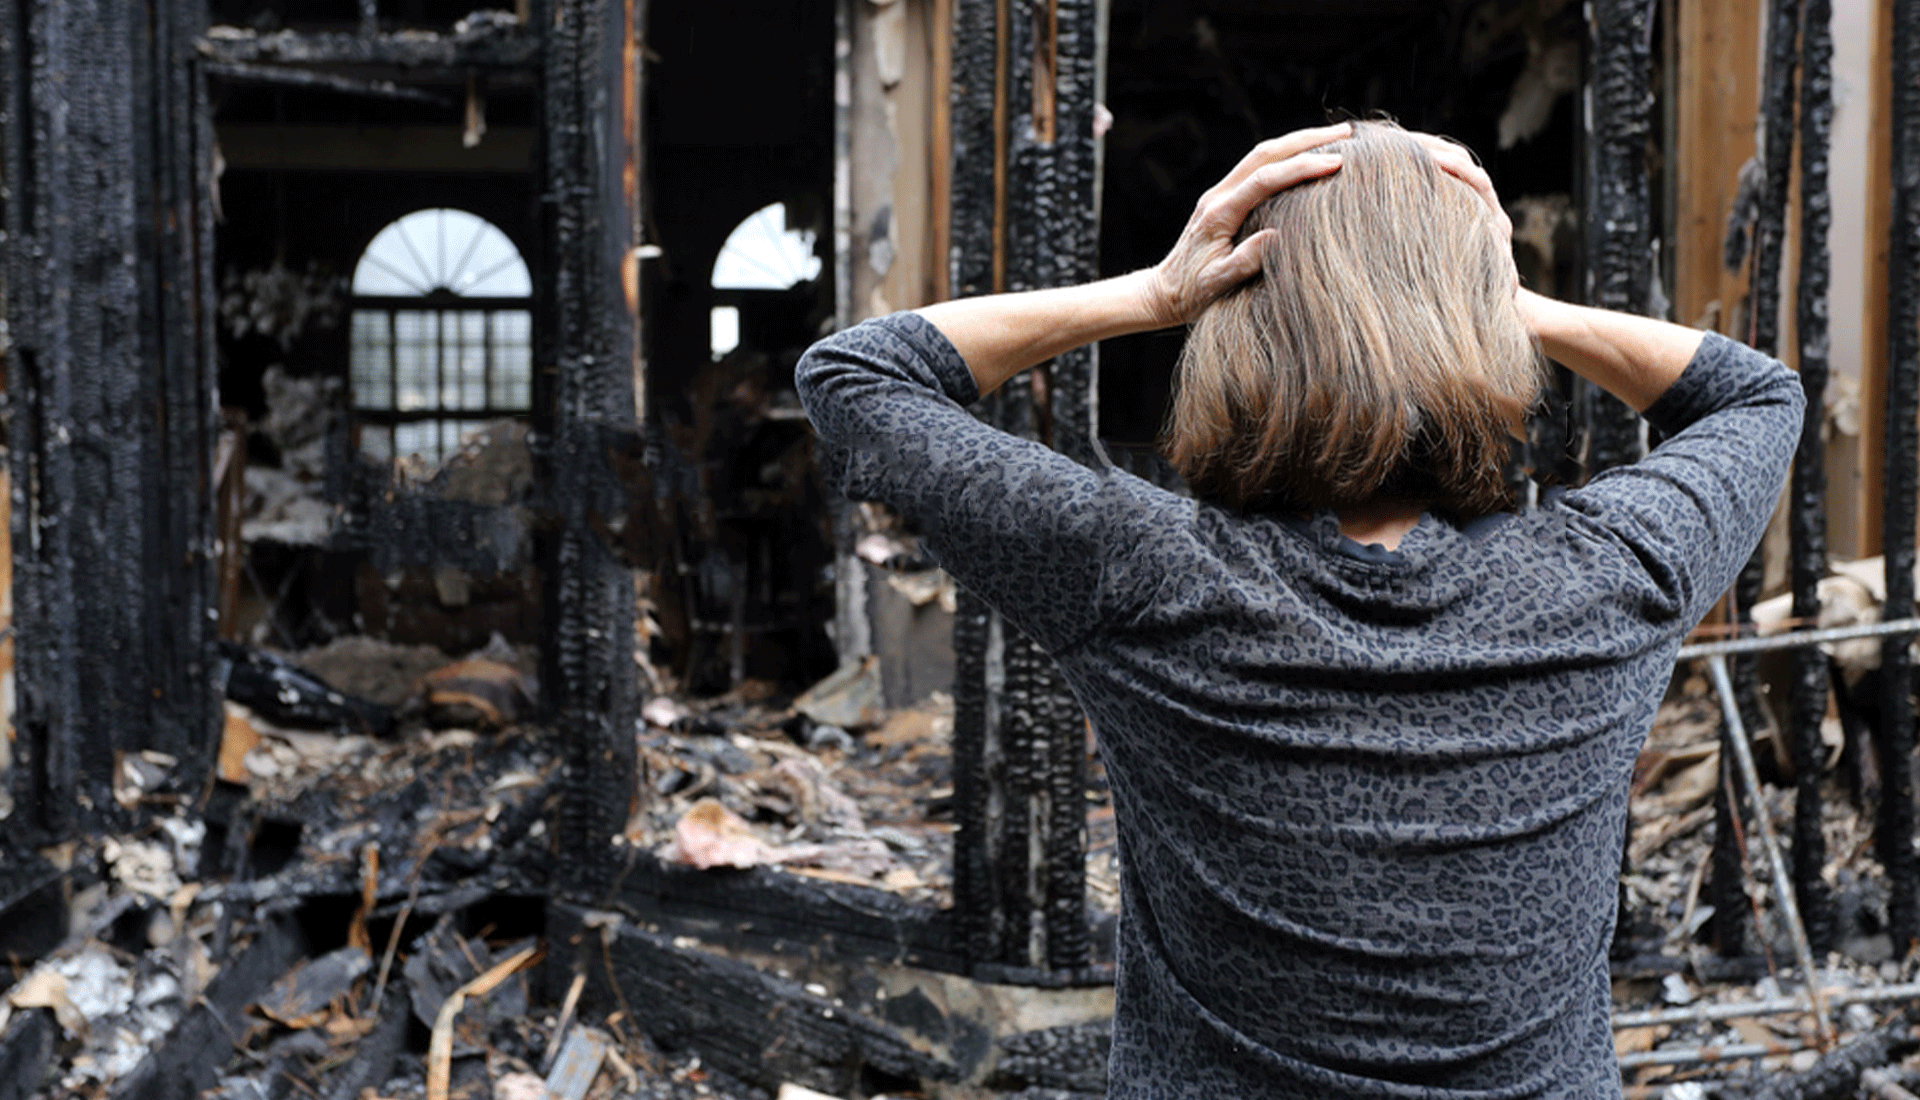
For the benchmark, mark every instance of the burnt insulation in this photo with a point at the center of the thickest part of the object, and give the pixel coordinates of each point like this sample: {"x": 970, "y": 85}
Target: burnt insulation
{"x": 1806, "y": 510}
{"x": 108, "y": 152}
{"x": 1619, "y": 265}
{"x": 1024, "y": 188}
{"x": 585, "y": 414}
{"x": 1902, "y": 482}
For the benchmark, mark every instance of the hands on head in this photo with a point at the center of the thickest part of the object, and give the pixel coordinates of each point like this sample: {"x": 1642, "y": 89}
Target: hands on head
{"x": 1206, "y": 263}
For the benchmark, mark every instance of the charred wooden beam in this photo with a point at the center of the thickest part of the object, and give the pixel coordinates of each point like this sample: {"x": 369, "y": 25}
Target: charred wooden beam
{"x": 246, "y": 72}
{"x": 743, "y": 1020}
{"x": 1618, "y": 233}
{"x": 585, "y": 414}
{"x": 188, "y": 1061}
{"x": 1902, "y": 482}
{"x": 777, "y": 911}
{"x": 26, "y": 1054}
{"x": 1806, "y": 516}
{"x": 423, "y": 55}
{"x": 107, "y": 158}
{"x": 1769, "y": 231}
{"x": 1024, "y": 186}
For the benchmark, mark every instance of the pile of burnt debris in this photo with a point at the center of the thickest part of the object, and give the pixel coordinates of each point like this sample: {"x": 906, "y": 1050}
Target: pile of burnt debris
{"x": 365, "y": 904}
{"x": 368, "y": 903}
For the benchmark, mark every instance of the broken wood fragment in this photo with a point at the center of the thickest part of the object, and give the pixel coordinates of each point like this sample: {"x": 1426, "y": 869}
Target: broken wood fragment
{"x": 440, "y": 1046}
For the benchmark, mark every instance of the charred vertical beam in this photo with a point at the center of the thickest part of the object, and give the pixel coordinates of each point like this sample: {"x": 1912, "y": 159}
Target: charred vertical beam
{"x": 1776, "y": 156}
{"x": 1024, "y": 186}
{"x": 1619, "y": 267}
{"x": 1806, "y": 516}
{"x": 1902, "y": 482}
{"x": 589, "y": 218}
{"x": 111, "y": 396}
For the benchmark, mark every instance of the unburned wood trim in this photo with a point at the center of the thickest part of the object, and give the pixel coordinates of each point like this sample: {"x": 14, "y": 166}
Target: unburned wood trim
{"x": 1718, "y": 89}
{"x": 942, "y": 142}
{"x": 1873, "y": 302}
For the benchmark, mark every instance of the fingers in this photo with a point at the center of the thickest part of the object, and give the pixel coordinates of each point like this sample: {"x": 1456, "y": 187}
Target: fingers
{"x": 1457, "y": 161}
{"x": 1228, "y": 210}
{"x": 1274, "y": 150}
{"x": 1244, "y": 262}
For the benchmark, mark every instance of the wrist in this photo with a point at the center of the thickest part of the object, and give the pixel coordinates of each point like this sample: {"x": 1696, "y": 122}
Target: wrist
{"x": 1153, "y": 304}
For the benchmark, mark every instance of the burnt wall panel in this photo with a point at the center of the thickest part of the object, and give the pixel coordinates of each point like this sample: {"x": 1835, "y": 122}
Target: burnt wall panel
{"x": 112, "y": 396}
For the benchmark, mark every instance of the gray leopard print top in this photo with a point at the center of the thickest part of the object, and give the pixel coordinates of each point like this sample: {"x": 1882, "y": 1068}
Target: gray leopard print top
{"x": 1370, "y": 803}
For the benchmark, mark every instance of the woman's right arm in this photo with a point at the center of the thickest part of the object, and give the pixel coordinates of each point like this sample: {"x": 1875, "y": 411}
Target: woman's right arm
{"x": 1633, "y": 358}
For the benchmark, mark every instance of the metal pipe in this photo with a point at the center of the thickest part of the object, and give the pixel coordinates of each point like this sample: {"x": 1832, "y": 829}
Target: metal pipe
{"x": 1772, "y": 1006}
{"x": 1763, "y": 824}
{"x": 1706, "y": 1055}
{"x": 1796, "y": 639}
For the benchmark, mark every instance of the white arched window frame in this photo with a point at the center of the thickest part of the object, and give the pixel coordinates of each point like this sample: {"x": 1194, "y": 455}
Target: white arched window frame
{"x": 442, "y": 334}
{"x": 760, "y": 254}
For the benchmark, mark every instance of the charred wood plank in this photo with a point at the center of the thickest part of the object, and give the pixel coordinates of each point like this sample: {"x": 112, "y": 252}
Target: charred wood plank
{"x": 438, "y": 55}
{"x": 188, "y": 1061}
{"x": 741, "y": 1020}
{"x": 26, "y": 1054}
{"x": 1837, "y": 1074}
{"x": 245, "y": 72}
{"x": 1902, "y": 483}
{"x": 1806, "y": 516}
{"x": 779, "y": 911}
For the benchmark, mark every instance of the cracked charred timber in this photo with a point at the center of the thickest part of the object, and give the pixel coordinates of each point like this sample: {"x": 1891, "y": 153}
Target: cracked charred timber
{"x": 1806, "y": 516}
{"x": 1024, "y": 185}
{"x": 1619, "y": 267}
{"x": 107, "y": 154}
{"x": 1619, "y": 270}
{"x": 1902, "y": 481}
{"x": 590, "y": 215}
{"x": 1769, "y": 230}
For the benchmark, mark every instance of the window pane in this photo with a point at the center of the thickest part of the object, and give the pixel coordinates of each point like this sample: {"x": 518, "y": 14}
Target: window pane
{"x": 512, "y": 359}
{"x": 372, "y": 365}
{"x": 415, "y": 353}
{"x": 416, "y": 439}
{"x": 376, "y": 441}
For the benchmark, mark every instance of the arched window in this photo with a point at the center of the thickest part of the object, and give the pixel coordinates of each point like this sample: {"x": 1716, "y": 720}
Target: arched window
{"x": 442, "y": 334}
{"x": 760, "y": 254}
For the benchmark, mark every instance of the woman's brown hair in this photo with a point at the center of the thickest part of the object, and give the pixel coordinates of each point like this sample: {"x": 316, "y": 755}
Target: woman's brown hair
{"x": 1378, "y": 357}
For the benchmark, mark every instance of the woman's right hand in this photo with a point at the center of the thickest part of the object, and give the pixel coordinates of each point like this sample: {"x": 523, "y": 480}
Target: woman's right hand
{"x": 1206, "y": 263}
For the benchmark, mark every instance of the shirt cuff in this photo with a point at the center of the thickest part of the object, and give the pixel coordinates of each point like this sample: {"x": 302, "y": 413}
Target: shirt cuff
{"x": 1716, "y": 375}
{"x": 938, "y": 353}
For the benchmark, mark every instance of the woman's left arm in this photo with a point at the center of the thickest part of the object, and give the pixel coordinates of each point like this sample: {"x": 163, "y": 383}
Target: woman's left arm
{"x": 1000, "y": 335}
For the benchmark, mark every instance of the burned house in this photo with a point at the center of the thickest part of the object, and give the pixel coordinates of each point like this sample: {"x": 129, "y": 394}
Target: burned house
{"x": 422, "y": 595}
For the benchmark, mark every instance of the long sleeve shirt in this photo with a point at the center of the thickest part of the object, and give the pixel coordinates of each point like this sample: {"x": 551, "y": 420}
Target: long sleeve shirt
{"x": 1370, "y": 803}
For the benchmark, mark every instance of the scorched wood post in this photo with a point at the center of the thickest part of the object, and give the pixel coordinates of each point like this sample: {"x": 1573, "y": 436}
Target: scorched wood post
{"x": 1727, "y": 891}
{"x": 1902, "y": 483}
{"x": 1806, "y": 507}
{"x": 1617, "y": 231}
{"x": 585, "y": 397}
{"x": 1024, "y": 186}
{"x": 108, "y": 155}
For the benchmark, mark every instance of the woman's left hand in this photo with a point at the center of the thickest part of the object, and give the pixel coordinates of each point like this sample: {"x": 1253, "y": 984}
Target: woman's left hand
{"x": 1205, "y": 263}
